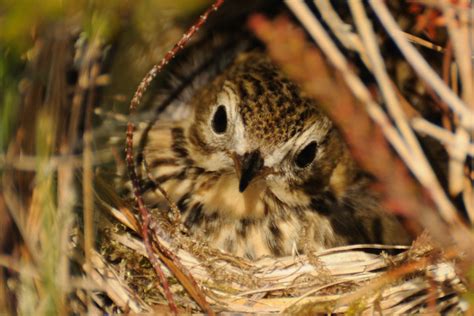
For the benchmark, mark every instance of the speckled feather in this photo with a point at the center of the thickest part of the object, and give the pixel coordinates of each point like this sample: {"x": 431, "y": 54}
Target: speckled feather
{"x": 284, "y": 209}
{"x": 269, "y": 110}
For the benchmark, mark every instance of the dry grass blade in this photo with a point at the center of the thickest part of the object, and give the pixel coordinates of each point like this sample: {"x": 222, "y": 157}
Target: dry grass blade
{"x": 110, "y": 282}
{"x": 460, "y": 27}
{"x": 421, "y": 66}
{"x": 423, "y": 170}
{"x": 444, "y": 136}
{"x": 341, "y": 30}
{"x": 355, "y": 83}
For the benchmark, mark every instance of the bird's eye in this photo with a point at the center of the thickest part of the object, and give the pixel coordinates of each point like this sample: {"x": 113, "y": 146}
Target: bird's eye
{"x": 306, "y": 155}
{"x": 219, "y": 121}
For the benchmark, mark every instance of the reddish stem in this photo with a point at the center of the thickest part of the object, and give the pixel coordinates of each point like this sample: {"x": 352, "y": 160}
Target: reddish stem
{"x": 144, "y": 213}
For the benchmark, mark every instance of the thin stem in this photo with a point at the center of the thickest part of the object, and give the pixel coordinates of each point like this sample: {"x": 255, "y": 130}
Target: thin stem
{"x": 459, "y": 33}
{"x": 318, "y": 33}
{"x": 444, "y": 136}
{"x": 144, "y": 212}
{"x": 422, "y": 168}
{"x": 420, "y": 65}
{"x": 360, "y": 91}
{"x": 341, "y": 30}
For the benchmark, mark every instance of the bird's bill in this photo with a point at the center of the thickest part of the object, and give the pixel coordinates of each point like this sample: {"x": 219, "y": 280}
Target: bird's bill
{"x": 248, "y": 167}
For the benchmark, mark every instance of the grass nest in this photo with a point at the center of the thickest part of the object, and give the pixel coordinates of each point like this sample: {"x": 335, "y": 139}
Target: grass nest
{"x": 356, "y": 279}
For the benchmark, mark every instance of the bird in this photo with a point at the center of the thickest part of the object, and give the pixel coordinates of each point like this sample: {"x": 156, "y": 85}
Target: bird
{"x": 257, "y": 169}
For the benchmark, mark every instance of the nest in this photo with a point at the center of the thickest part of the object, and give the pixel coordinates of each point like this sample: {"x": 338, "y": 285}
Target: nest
{"x": 360, "y": 279}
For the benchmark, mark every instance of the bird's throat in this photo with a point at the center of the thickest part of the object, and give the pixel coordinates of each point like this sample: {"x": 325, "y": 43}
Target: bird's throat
{"x": 231, "y": 203}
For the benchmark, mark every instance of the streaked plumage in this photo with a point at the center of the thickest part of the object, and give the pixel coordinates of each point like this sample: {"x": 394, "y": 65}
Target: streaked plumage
{"x": 257, "y": 169}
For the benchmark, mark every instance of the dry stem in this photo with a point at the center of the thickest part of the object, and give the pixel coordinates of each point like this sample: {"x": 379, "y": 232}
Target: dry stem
{"x": 302, "y": 64}
{"x": 144, "y": 213}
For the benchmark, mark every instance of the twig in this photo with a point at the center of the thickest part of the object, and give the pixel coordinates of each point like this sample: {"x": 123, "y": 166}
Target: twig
{"x": 393, "y": 275}
{"x": 109, "y": 281}
{"x": 351, "y": 40}
{"x": 444, "y": 136}
{"x": 422, "y": 42}
{"x": 346, "y": 37}
{"x": 87, "y": 181}
{"x": 25, "y": 162}
{"x": 422, "y": 168}
{"x": 144, "y": 213}
{"x": 15, "y": 206}
{"x": 309, "y": 293}
{"x": 420, "y": 65}
{"x": 358, "y": 88}
{"x": 67, "y": 195}
{"x": 341, "y": 30}
{"x": 459, "y": 33}
{"x": 360, "y": 91}
{"x": 458, "y": 154}
{"x": 145, "y": 216}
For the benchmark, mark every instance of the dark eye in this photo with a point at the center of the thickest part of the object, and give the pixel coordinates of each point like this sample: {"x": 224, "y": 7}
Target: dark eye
{"x": 219, "y": 121}
{"x": 306, "y": 155}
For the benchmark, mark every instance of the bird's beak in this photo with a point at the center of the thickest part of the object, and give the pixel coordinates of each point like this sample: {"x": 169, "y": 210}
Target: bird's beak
{"x": 249, "y": 165}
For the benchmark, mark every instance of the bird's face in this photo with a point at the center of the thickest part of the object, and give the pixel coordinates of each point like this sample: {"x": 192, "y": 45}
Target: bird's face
{"x": 252, "y": 122}
{"x": 259, "y": 170}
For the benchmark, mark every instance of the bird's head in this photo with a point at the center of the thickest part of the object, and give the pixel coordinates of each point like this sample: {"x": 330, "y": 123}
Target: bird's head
{"x": 253, "y": 122}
